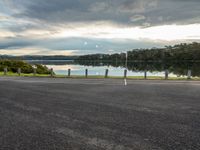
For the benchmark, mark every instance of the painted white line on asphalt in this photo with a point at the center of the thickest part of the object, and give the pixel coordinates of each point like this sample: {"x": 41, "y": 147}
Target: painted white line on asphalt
{"x": 125, "y": 82}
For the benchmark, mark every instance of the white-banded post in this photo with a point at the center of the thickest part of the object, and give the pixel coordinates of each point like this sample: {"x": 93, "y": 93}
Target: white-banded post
{"x": 5, "y": 71}
{"x": 69, "y": 72}
{"x": 86, "y": 73}
{"x": 126, "y": 65}
{"x": 189, "y": 74}
{"x": 166, "y": 74}
{"x": 19, "y": 71}
{"x": 106, "y": 73}
{"x": 126, "y": 60}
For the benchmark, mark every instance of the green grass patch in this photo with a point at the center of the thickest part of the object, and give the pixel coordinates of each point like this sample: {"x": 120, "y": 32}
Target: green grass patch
{"x": 23, "y": 74}
{"x": 11, "y": 74}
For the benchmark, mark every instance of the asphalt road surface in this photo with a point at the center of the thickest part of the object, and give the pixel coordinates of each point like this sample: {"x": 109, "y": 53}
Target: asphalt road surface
{"x": 98, "y": 114}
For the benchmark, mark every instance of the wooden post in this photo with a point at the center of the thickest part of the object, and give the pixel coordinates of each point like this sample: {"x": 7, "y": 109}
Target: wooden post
{"x": 69, "y": 72}
{"x": 51, "y": 72}
{"x": 19, "y": 71}
{"x": 106, "y": 73}
{"x": 166, "y": 74}
{"x": 189, "y": 74}
{"x": 145, "y": 74}
{"x": 125, "y": 73}
{"x": 86, "y": 73}
{"x": 34, "y": 71}
{"x": 5, "y": 71}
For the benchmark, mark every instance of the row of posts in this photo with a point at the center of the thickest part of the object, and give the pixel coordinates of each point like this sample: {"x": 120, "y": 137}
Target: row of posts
{"x": 189, "y": 73}
{"x": 86, "y": 73}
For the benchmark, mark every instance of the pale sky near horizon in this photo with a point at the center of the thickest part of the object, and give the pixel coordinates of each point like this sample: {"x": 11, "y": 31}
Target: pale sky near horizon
{"x": 76, "y": 27}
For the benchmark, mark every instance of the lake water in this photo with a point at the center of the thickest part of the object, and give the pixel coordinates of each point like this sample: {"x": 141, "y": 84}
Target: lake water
{"x": 98, "y": 70}
{"x": 61, "y": 68}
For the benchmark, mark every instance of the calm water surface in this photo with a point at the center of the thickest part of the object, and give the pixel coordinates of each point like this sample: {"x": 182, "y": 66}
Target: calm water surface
{"x": 98, "y": 70}
{"x": 61, "y": 68}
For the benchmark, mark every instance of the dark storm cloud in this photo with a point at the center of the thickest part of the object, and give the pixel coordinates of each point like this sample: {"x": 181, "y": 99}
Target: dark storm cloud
{"x": 175, "y": 12}
{"x": 154, "y": 12}
{"x": 13, "y": 43}
{"x": 62, "y": 11}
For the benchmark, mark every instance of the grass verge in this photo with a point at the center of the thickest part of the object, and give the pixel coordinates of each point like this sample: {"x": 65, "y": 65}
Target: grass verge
{"x": 11, "y": 74}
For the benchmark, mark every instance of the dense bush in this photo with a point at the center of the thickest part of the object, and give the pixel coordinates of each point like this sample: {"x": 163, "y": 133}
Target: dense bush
{"x": 40, "y": 69}
{"x": 13, "y": 65}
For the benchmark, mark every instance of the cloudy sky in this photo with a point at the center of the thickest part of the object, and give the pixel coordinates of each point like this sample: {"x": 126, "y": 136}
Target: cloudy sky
{"x": 74, "y": 27}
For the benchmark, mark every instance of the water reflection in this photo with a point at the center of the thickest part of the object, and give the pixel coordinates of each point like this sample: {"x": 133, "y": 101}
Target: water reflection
{"x": 174, "y": 68}
{"x": 179, "y": 69}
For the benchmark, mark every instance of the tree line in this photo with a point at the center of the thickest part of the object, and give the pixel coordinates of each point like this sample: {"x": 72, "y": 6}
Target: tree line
{"x": 179, "y": 52}
{"x": 38, "y": 57}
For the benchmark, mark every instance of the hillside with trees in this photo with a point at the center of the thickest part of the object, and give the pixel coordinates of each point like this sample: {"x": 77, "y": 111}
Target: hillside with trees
{"x": 180, "y": 52}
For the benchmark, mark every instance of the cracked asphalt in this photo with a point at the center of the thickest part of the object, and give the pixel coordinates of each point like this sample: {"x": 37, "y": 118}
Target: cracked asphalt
{"x": 98, "y": 114}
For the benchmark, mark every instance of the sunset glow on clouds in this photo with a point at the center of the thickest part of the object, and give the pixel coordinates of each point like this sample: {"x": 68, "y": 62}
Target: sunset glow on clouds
{"x": 63, "y": 27}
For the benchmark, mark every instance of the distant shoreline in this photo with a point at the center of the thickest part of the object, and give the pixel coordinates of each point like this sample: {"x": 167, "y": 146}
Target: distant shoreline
{"x": 31, "y": 60}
